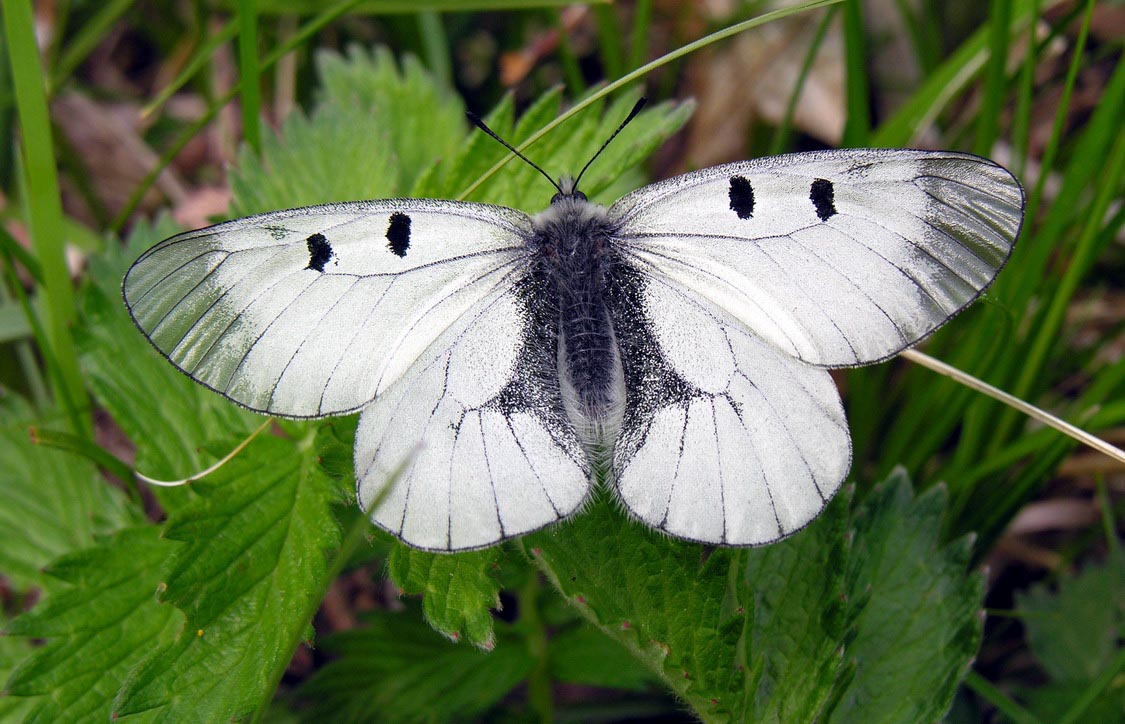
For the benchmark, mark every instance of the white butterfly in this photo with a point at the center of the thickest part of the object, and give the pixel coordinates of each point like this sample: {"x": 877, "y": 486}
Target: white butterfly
{"x": 678, "y": 338}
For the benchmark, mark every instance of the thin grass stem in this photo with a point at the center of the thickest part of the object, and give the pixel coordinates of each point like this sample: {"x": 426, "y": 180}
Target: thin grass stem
{"x": 44, "y": 209}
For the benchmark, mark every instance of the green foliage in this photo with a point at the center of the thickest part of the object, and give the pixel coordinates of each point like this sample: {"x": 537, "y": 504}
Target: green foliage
{"x": 50, "y": 502}
{"x": 457, "y": 590}
{"x": 862, "y": 616}
{"x": 1074, "y": 632}
{"x": 100, "y": 618}
{"x": 396, "y": 669}
{"x": 251, "y": 573}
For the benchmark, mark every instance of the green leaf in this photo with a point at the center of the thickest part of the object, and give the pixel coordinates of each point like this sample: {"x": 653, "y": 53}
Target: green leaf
{"x": 253, "y": 570}
{"x": 859, "y": 617}
{"x": 660, "y": 598}
{"x": 583, "y": 655}
{"x": 12, "y": 650}
{"x": 417, "y": 119}
{"x": 920, "y": 620}
{"x": 100, "y": 619}
{"x": 458, "y": 591}
{"x": 398, "y": 670}
{"x": 51, "y": 502}
{"x": 797, "y": 621}
{"x": 363, "y": 141}
{"x": 339, "y": 154}
{"x": 1074, "y": 631}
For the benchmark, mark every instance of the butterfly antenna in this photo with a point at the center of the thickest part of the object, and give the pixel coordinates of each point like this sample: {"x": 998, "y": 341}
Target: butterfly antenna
{"x": 632, "y": 114}
{"x": 481, "y": 125}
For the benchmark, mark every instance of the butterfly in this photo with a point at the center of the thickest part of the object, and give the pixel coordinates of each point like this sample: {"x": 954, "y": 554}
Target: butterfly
{"x": 675, "y": 343}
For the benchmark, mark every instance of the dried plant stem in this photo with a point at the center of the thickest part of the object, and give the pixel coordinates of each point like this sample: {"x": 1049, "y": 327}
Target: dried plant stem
{"x": 1028, "y": 409}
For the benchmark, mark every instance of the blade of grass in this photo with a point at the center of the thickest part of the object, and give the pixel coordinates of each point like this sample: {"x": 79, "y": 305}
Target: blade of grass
{"x": 645, "y": 69}
{"x": 87, "y": 449}
{"x": 44, "y": 208}
{"x": 1047, "y": 331}
{"x": 996, "y": 77}
{"x": 923, "y": 37}
{"x": 609, "y": 40}
{"x": 857, "y": 127}
{"x": 249, "y": 74}
{"x": 1016, "y": 403}
{"x": 198, "y": 60}
{"x": 781, "y": 137}
{"x": 986, "y": 690}
{"x": 1061, "y": 113}
{"x": 32, "y": 317}
{"x": 436, "y": 46}
{"x": 944, "y": 84}
{"x": 1084, "y": 167}
{"x": 1021, "y": 120}
{"x": 638, "y": 39}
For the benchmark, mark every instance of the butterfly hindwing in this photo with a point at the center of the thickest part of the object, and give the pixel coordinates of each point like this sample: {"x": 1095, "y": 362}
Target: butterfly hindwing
{"x": 312, "y": 312}
{"x": 726, "y": 439}
{"x": 837, "y": 258}
{"x": 472, "y": 445}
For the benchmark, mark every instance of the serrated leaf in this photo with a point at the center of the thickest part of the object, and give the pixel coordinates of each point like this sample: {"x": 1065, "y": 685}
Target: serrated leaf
{"x": 253, "y": 569}
{"x": 458, "y": 590}
{"x": 51, "y": 502}
{"x": 100, "y": 619}
{"x": 810, "y": 628}
{"x": 12, "y": 650}
{"x": 398, "y": 670}
{"x": 339, "y": 154}
{"x": 662, "y": 599}
{"x": 921, "y": 619}
{"x": 1074, "y": 631}
{"x": 420, "y": 120}
{"x": 795, "y": 597}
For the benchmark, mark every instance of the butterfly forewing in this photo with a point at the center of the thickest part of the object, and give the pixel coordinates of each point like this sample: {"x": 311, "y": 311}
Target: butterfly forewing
{"x": 312, "y": 312}
{"x": 838, "y": 257}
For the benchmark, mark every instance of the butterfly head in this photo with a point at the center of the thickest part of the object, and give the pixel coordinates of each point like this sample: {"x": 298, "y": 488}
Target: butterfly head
{"x": 568, "y": 191}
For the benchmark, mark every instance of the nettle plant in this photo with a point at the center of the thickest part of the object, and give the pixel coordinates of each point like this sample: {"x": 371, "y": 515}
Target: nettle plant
{"x": 872, "y": 613}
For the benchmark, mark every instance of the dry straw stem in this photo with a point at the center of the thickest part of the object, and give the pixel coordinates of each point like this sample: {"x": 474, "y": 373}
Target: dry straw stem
{"x": 1028, "y": 409}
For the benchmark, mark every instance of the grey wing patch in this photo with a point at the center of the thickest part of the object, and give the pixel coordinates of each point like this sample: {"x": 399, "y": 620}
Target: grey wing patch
{"x": 479, "y": 426}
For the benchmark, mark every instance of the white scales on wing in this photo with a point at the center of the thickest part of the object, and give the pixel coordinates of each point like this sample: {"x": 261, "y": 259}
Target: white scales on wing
{"x": 677, "y": 339}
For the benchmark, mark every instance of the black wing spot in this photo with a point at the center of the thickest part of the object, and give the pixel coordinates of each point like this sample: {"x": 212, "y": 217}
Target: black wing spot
{"x": 398, "y": 234}
{"x": 823, "y": 197}
{"x": 741, "y": 197}
{"x": 320, "y": 251}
